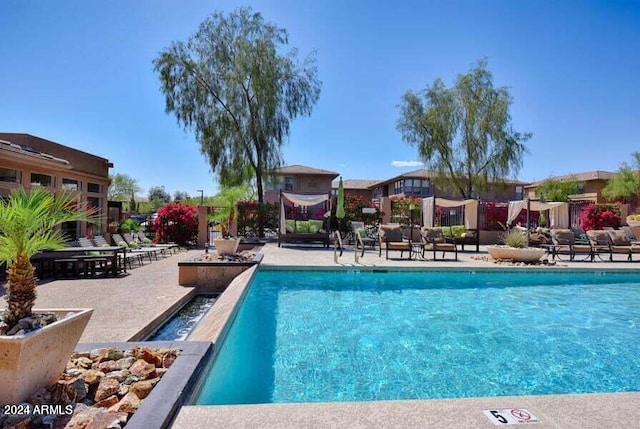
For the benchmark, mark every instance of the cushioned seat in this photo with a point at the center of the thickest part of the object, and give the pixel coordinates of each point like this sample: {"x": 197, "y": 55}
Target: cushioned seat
{"x": 564, "y": 243}
{"x": 390, "y": 238}
{"x": 434, "y": 240}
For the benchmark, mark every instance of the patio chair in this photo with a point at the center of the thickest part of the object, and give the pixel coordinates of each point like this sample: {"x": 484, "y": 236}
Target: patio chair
{"x": 564, "y": 243}
{"x": 361, "y": 238}
{"x": 390, "y": 238}
{"x": 434, "y": 240}
{"x": 120, "y": 241}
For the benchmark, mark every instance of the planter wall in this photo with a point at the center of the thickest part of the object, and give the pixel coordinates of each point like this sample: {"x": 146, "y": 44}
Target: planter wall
{"x": 29, "y": 362}
{"x": 526, "y": 254}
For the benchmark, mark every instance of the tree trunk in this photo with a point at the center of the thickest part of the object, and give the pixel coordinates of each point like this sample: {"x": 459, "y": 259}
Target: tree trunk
{"x": 21, "y": 293}
{"x": 260, "y": 203}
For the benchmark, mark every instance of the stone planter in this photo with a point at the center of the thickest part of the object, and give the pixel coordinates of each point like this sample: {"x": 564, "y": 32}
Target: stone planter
{"x": 226, "y": 246}
{"x": 526, "y": 254}
{"x": 29, "y": 362}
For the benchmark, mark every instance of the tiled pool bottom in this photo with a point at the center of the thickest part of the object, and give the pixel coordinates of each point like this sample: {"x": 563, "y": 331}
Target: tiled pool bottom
{"x": 428, "y": 335}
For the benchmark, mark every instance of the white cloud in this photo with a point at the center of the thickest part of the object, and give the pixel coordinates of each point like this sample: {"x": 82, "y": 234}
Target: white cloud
{"x": 342, "y": 165}
{"x": 407, "y": 163}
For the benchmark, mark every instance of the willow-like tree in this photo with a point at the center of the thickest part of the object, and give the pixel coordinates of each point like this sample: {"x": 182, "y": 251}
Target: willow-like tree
{"x": 626, "y": 183}
{"x": 464, "y": 133}
{"x": 233, "y": 84}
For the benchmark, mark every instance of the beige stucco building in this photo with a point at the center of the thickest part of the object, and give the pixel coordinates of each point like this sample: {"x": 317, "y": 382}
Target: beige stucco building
{"x": 29, "y": 161}
{"x": 298, "y": 179}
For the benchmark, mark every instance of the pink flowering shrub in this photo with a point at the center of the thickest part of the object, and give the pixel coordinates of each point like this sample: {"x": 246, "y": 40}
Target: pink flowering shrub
{"x": 597, "y": 216}
{"x": 177, "y": 223}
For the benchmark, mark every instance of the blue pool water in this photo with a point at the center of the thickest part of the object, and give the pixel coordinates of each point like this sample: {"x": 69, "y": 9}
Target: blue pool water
{"x": 357, "y": 336}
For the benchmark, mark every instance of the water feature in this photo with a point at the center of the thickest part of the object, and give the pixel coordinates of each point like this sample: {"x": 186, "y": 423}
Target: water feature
{"x": 181, "y": 324}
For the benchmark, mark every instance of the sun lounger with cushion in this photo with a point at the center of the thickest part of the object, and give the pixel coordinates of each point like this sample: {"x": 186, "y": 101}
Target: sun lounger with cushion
{"x": 564, "y": 243}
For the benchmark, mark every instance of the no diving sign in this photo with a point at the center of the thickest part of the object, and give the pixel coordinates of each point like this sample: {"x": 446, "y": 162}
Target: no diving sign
{"x": 510, "y": 416}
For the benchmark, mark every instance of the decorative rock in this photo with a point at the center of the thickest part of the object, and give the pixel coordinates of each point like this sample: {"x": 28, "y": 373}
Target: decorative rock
{"x": 169, "y": 358}
{"x": 131, "y": 379}
{"x": 128, "y": 404}
{"x": 78, "y": 386}
{"x": 107, "y": 402}
{"x": 107, "y": 387}
{"x": 89, "y": 417}
{"x": 118, "y": 375}
{"x": 143, "y": 369}
{"x": 108, "y": 366}
{"x": 93, "y": 376}
{"x": 73, "y": 372}
{"x": 148, "y": 355}
{"x": 115, "y": 354}
{"x": 124, "y": 389}
{"x": 98, "y": 355}
{"x": 84, "y": 362}
{"x": 126, "y": 362}
{"x": 16, "y": 422}
{"x": 108, "y": 420}
{"x": 141, "y": 389}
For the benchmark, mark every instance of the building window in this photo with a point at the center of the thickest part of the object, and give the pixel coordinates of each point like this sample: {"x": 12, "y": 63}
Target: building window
{"x": 94, "y": 229}
{"x": 70, "y": 185}
{"x": 9, "y": 175}
{"x": 288, "y": 184}
{"x": 94, "y": 188}
{"x": 377, "y": 192}
{"x": 519, "y": 192}
{"x": 580, "y": 188}
{"x": 398, "y": 187}
{"x": 42, "y": 180}
{"x": 416, "y": 187}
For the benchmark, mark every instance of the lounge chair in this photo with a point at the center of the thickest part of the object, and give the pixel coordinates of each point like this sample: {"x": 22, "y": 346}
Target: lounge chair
{"x": 134, "y": 241}
{"x": 613, "y": 242}
{"x": 390, "y": 238}
{"x": 434, "y": 240}
{"x": 171, "y": 247}
{"x": 564, "y": 243}
{"x": 120, "y": 241}
{"x": 630, "y": 235}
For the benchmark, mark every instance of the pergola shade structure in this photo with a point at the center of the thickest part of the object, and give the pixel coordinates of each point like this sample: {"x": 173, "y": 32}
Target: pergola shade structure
{"x": 307, "y": 231}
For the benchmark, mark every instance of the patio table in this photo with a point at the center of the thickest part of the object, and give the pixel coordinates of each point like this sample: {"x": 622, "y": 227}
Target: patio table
{"x": 113, "y": 250}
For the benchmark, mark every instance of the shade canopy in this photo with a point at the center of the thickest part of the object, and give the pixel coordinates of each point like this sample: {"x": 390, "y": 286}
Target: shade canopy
{"x": 305, "y": 200}
{"x": 558, "y": 211}
{"x": 470, "y": 210}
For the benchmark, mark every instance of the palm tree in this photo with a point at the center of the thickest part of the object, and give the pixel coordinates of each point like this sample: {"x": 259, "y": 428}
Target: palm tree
{"x": 28, "y": 224}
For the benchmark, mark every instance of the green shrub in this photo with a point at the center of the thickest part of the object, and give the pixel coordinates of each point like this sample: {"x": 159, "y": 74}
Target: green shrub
{"x": 514, "y": 238}
{"x": 129, "y": 225}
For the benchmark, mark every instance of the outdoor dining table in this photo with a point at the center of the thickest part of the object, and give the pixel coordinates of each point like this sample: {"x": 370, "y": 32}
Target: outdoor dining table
{"x": 113, "y": 250}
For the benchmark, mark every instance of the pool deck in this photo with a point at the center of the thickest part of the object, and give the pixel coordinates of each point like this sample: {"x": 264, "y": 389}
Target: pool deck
{"x": 125, "y": 307}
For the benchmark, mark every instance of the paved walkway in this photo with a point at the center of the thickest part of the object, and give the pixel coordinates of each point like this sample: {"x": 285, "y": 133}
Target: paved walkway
{"x": 122, "y": 305}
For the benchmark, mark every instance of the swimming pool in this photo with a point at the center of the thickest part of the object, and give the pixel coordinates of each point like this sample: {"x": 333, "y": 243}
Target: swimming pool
{"x": 305, "y": 336}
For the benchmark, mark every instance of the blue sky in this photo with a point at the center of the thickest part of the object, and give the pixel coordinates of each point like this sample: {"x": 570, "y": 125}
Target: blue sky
{"x": 79, "y": 73}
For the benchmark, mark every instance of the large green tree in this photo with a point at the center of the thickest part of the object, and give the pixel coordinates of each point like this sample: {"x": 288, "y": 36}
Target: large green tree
{"x": 124, "y": 187}
{"x": 558, "y": 190}
{"x": 233, "y": 84}
{"x": 158, "y": 196}
{"x": 464, "y": 133}
{"x": 626, "y": 183}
